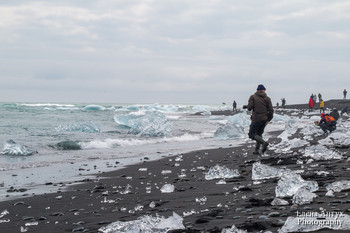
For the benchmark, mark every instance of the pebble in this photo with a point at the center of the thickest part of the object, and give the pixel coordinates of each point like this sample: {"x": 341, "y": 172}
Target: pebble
{"x": 274, "y": 214}
{"x": 263, "y": 217}
{"x": 104, "y": 223}
{"x": 57, "y": 214}
{"x": 27, "y": 218}
{"x": 294, "y": 207}
{"x": 19, "y": 203}
{"x": 78, "y": 229}
{"x": 78, "y": 223}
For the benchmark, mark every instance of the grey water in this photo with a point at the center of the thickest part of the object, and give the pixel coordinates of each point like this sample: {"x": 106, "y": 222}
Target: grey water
{"x": 70, "y": 141}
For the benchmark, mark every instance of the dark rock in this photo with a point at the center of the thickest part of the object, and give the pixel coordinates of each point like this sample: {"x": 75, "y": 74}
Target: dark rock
{"x": 202, "y": 220}
{"x": 78, "y": 229}
{"x": 104, "y": 223}
{"x": 57, "y": 214}
{"x": 260, "y": 202}
{"x": 214, "y": 212}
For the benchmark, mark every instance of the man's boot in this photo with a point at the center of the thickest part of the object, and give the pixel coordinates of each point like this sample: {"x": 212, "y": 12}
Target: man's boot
{"x": 257, "y": 148}
{"x": 260, "y": 140}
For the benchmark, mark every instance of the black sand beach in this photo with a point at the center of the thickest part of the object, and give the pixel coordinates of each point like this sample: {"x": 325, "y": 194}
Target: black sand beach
{"x": 94, "y": 203}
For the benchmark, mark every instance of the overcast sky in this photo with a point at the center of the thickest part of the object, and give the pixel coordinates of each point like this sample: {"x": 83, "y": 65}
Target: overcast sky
{"x": 173, "y": 51}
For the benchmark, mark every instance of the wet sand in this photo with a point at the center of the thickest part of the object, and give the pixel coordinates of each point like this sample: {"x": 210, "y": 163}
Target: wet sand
{"x": 96, "y": 202}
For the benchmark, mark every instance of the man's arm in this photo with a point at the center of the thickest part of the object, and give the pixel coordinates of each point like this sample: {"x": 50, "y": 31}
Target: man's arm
{"x": 250, "y": 105}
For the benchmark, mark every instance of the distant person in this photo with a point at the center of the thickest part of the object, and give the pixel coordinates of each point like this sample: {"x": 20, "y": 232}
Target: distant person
{"x": 262, "y": 109}
{"x": 321, "y": 106}
{"x": 311, "y": 104}
{"x": 315, "y": 99}
{"x": 319, "y": 97}
{"x": 327, "y": 123}
{"x": 344, "y": 93}
{"x": 283, "y": 102}
{"x": 344, "y": 110}
{"x": 335, "y": 114}
{"x": 277, "y": 104}
{"x": 234, "y": 106}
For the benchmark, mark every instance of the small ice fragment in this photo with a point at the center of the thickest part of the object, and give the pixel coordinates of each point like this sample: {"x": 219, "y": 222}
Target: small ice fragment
{"x": 3, "y": 213}
{"x": 185, "y": 214}
{"x": 221, "y": 182}
{"x": 278, "y": 202}
{"x": 143, "y": 169}
{"x": 330, "y": 193}
{"x": 221, "y": 172}
{"x": 167, "y": 188}
{"x": 28, "y": 224}
{"x": 322, "y": 173}
{"x": 201, "y": 200}
{"x": 152, "y": 204}
{"x": 233, "y": 229}
{"x": 164, "y": 172}
{"x": 138, "y": 207}
{"x": 126, "y": 190}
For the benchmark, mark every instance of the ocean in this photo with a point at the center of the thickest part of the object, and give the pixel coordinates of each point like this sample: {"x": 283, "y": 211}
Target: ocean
{"x": 54, "y": 143}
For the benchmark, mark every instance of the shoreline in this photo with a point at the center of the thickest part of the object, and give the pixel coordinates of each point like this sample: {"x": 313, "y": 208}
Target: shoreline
{"x": 126, "y": 194}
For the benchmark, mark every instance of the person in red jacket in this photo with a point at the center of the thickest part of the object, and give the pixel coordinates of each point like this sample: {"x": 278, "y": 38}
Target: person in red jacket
{"x": 311, "y": 105}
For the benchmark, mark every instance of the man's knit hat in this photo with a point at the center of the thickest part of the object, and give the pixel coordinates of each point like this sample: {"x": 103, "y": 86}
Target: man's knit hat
{"x": 261, "y": 87}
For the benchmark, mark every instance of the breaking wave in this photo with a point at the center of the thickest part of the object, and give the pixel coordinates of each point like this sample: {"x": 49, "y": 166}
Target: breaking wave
{"x": 110, "y": 143}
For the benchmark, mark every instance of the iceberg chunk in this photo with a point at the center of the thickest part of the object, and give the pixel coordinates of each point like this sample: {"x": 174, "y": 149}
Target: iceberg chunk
{"x": 319, "y": 152}
{"x": 303, "y": 196}
{"x": 87, "y": 127}
{"x": 278, "y": 117}
{"x": 145, "y": 124}
{"x": 229, "y": 131}
{"x": 221, "y": 172}
{"x": 290, "y": 183}
{"x": 262, "y": 171}
{"x": 339, "y": 186}
{"x": 94, "y": 108}
{"x": 146, "y": 224}
{"x": 240, "y": 119}
{"x": 13, "y": 148}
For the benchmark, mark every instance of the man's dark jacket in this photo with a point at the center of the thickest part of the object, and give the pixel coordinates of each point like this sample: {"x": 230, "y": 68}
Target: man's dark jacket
{"x": 261, "y": 105}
